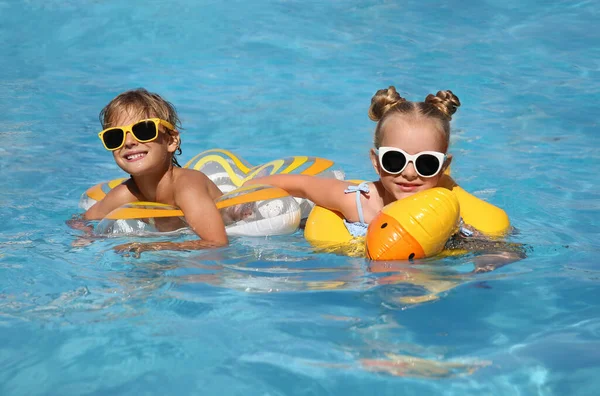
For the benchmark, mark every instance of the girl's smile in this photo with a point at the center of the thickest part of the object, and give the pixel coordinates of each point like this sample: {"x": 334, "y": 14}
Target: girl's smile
{"x": 408, "y": 187}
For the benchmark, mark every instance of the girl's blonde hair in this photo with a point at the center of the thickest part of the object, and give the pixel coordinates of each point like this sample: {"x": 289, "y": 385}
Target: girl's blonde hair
{"x": 387, "y": 102}
{"x": 144, "y": 104}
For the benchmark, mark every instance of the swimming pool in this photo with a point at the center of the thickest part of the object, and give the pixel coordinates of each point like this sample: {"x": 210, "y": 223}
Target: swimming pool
{"x": 268, "y": 316}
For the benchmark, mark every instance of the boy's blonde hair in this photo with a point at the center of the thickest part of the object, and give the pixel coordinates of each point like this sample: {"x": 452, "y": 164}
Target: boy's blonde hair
{"x": 144, "y": 104}
{"x": 387, "y": 102}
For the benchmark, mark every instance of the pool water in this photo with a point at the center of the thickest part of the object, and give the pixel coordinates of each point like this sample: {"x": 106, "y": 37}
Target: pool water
{"x": 269, "y": 79}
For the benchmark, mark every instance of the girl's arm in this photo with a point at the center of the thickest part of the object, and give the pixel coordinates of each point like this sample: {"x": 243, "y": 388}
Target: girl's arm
{"x": 325, "y": 192}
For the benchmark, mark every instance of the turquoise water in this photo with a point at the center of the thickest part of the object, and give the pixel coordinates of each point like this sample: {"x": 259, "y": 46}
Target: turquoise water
{"x": 271, "y": 79}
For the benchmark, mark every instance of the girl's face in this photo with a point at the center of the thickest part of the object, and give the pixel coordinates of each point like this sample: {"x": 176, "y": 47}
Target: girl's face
{"x": 137, "y": 158}
{"x": 412, "y": 136}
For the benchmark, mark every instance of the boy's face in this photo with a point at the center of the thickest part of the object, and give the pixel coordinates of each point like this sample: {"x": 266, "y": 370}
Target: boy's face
{"x": 137, "y": 158}
{"x": 412, "y": 136}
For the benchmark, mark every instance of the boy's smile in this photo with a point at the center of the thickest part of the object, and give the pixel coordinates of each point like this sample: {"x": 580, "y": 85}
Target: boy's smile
{"x": 133, "y": 156}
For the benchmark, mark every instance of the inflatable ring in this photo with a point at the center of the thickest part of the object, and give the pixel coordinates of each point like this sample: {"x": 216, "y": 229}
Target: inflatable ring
{"x": 411, "y": 228}
{"x": 482, "y": 215}
{"x": 255, "y": 210}
{"x": 229, "y": 171}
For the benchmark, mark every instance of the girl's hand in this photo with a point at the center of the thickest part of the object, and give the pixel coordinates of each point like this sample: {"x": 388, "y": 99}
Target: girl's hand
{"x": 492, "y": 261}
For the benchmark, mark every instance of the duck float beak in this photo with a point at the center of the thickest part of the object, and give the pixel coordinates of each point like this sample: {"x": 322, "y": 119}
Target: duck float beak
{"x": 414, "y": 227}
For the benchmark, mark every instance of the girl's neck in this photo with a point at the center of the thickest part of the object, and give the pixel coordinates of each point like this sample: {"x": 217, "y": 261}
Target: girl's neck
{"x": 386, "y": 197}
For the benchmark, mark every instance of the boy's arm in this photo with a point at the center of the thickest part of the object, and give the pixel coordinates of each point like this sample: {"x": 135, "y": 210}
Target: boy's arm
{"x": 198, "y": 206}
{"x": 193, "y": 197}
{"x": 117, "y": 197}
{"x": 325, "y": 192}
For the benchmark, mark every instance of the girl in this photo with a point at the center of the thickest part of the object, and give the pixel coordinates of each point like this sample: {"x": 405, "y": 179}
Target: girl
{"x": 410, "y": 155}
{"x": 140, "y": 131}
{"x": 411, "y": 141}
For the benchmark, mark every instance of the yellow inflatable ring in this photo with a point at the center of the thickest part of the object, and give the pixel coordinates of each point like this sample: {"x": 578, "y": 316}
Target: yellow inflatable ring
{"x": 414, "y": 227}
{"x": 249, "y": 211}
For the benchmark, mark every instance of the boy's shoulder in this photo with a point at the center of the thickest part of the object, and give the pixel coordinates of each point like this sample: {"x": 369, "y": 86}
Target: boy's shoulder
{"x": 126, "y": 188}
{"x": 186, "y": 176}
{"x": 189, "y": 181}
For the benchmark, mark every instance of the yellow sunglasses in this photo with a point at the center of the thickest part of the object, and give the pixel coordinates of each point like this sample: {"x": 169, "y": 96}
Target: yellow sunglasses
{"x": 143, "y": 131}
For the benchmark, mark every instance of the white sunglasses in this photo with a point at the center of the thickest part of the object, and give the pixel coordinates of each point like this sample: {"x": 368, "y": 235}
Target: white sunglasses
{"x": 426, "y": 163}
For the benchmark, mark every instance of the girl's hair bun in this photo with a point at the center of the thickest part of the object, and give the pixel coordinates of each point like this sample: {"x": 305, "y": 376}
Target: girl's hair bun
{"x": 382, "y": 101}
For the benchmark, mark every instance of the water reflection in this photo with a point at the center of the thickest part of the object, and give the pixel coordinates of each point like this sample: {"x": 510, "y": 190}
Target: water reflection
{"x": 343, "y": 308}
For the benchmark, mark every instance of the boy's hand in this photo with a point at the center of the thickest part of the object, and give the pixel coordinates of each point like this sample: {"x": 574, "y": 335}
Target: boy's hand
{"x": 82, "y": 241}
{"x": 135, "y": 249}
{"x": 78, "y": 223}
